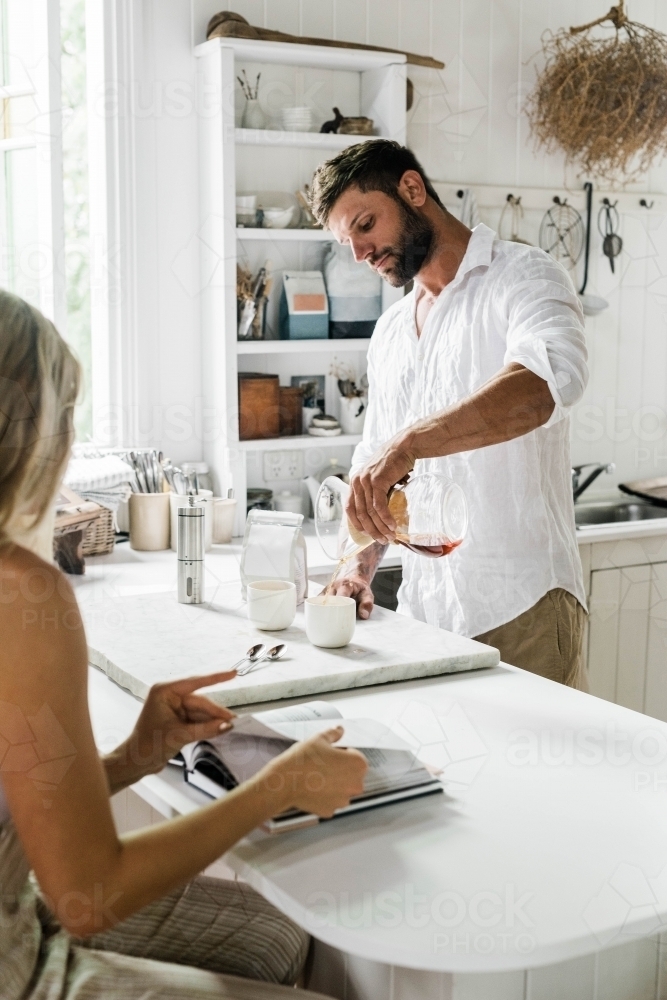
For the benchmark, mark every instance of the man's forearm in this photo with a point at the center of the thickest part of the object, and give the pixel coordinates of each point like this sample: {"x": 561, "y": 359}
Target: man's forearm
{"x": 366, "y": 562}
{"x": 513, "y": 403}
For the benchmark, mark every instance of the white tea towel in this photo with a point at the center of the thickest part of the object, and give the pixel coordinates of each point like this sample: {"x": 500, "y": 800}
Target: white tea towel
{"x": 469, "y": 209}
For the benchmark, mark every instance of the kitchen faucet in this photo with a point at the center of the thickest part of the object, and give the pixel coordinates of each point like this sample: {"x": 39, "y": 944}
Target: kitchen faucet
{"x": 598, "y": 468}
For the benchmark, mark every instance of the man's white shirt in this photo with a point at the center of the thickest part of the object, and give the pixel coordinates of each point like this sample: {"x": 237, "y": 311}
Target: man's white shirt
{"x": 508, "y": 303}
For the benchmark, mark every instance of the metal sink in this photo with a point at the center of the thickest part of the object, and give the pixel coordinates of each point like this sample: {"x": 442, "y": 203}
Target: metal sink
{"x": 609, "y": 512}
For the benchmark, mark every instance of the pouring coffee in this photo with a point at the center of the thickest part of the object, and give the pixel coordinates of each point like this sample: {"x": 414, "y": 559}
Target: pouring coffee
{"x": 430, "y": 512}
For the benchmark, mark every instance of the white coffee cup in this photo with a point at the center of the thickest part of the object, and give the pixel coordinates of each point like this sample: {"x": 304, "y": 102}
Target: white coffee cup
{"x": 330, "y": 620}
{"x": 271, "y": 604}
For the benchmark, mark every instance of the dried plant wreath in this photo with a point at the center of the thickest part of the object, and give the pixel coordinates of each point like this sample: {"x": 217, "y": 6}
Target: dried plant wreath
{"x": 603, "y": 100}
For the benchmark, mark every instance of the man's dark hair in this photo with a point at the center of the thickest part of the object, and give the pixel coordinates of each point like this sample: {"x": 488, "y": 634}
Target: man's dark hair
{"x": 376, "y": 165}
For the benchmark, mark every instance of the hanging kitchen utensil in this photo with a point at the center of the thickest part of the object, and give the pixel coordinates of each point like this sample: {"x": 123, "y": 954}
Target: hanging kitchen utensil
{"x": 514, "y": 218}
{"x": 608, "y": 223}
{"x": 562, "y": 233}
{"x": 591, "y": 304}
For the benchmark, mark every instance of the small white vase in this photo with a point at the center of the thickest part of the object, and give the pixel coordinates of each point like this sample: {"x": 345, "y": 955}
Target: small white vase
{"x": 253, "y": 116}
{"x": 353, "y": 413}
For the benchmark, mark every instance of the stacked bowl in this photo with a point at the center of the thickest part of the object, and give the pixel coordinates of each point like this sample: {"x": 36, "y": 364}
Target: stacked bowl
{"x": 297, "y": 119}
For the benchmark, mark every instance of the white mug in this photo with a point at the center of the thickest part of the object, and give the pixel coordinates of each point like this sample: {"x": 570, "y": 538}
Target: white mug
{"x": 330, "y": 620}
{"x": 271, "y": 604}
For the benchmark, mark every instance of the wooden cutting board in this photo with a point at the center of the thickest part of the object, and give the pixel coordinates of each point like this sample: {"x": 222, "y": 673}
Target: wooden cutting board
{"x": 141, "y": 640}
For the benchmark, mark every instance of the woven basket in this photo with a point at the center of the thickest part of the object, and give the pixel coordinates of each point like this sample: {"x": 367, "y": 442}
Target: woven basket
{"x": 99, "y": 538}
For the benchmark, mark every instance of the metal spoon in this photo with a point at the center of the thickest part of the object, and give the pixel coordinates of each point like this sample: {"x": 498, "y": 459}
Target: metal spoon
{"x": 271, "y": 654}
{"x": 251, "y": 655}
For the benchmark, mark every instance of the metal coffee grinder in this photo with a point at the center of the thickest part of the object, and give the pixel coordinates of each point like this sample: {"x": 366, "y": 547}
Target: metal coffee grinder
{"x": 190, "y": 552}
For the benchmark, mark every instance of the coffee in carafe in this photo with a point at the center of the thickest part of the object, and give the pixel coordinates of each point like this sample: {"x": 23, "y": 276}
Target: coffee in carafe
{"x": 430, "y": 513}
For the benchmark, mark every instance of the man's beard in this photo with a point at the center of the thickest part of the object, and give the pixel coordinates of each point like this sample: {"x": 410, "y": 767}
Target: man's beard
{"x": 412, "y": 250}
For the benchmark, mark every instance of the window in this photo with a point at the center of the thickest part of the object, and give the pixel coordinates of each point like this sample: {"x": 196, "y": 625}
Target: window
{"x": 44, "y": 243}
{"x": 23, "y": 261}
{"x": 75, "y": 190}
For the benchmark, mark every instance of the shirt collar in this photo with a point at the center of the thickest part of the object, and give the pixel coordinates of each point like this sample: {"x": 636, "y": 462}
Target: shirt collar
{"x": 479, "y": 252}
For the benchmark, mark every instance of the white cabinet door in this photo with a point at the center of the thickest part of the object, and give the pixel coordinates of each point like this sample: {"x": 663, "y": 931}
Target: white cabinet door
{"x": 618, "y": 631}
{"x": 627, "y": 637}
{"x": 655, "y": 702}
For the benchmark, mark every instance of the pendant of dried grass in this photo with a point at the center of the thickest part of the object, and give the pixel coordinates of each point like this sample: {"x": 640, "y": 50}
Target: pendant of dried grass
{"x": 603, "y": 100}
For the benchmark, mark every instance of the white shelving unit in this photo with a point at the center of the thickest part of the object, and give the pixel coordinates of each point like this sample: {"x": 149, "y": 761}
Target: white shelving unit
{"x": 301, "y": 442}
{"x": 285, "y": 235}
{"x": 301, "y": 346}
{"x": 328, "y": 141}
{"x": 234, "y": 159}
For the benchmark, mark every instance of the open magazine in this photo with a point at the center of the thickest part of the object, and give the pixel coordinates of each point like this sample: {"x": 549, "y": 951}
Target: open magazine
{"x": 218, "y": 765}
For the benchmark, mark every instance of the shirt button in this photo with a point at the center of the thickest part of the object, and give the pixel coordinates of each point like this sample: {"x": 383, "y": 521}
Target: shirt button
{"x": 420, "y": 356}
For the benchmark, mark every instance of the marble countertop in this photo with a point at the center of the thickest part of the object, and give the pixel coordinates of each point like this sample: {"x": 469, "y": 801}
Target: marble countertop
{"x": 142, "y": 639}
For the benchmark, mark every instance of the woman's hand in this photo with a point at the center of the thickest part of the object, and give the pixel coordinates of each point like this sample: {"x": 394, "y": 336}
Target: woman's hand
{"x": 172, "y": 716}
{"x": 314, "y": 776}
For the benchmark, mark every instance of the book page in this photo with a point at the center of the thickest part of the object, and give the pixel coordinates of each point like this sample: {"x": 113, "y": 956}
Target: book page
{"x": 309, "y": 710}
{"x": 268, "y": 724}
{"x": 360, "y": 733}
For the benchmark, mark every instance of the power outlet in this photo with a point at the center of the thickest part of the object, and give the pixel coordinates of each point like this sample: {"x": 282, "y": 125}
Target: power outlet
{"x": 282, "y": 465}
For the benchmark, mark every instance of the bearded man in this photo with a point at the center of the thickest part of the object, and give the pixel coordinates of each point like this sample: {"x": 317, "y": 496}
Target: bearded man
{"x": 472, "y": 376}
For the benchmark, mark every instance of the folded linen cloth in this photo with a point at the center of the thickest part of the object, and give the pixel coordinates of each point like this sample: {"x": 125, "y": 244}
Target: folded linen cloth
{"x": 105, "y": 480}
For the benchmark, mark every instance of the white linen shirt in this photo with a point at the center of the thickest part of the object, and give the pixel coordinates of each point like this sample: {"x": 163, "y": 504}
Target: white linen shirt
{"x": 508, "y": 303}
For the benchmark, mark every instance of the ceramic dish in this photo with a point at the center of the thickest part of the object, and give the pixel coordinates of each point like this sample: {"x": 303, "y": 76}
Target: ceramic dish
{"x": 278, "y": 218}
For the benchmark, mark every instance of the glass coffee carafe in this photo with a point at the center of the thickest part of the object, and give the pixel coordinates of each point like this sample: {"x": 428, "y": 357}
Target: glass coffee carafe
{"x": 430, "y": 512}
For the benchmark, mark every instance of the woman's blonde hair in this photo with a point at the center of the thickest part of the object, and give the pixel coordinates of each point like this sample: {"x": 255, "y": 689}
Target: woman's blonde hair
{"x": 39, "y": 385}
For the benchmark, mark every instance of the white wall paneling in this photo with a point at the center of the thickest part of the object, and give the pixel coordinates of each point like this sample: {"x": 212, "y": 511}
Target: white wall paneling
{"x": 466, "y": 125}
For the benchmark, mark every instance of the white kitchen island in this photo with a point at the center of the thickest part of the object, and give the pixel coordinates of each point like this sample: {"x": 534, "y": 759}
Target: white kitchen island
{"x": 540, "y": 873}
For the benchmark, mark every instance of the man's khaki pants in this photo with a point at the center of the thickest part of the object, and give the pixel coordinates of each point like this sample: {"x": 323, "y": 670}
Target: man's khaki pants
{"x": 546, "y": 639}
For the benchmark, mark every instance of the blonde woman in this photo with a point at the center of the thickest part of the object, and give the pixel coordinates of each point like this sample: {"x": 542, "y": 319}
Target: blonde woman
{"x": 109, "y": 916}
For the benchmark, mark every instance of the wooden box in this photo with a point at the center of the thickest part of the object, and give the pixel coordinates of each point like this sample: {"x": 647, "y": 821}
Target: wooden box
{"x": 291, "y": 405}
{"x": 259, "y": 406}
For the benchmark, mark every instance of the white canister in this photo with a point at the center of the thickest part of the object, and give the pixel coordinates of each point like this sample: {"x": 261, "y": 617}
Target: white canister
{"x": 352, "y": 414}
{"x": 224, "y": 512}
{"x": 177, "y": 500}
{"x": 149, "y": 521}
{"x": 288, "y": 501}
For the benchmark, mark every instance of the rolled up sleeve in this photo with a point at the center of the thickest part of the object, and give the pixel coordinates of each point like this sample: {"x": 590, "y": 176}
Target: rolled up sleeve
{"x": 546, "y": 329}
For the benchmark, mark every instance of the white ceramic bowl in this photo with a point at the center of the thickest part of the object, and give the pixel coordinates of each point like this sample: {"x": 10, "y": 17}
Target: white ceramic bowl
{"x": 330, "y": 621}
{"x": 271, "y": 604}
{"x": 277, "y": 218}
{"x": 297, "y": 119}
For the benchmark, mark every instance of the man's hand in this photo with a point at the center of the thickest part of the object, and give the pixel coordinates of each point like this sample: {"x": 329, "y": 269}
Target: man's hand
{"x": 357, "y": 580}
{"x": 367, "y": 507}
{"x": 356, "y": 586}
{"x": 512, "y": 403}
{"x": 173, "y": 715}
